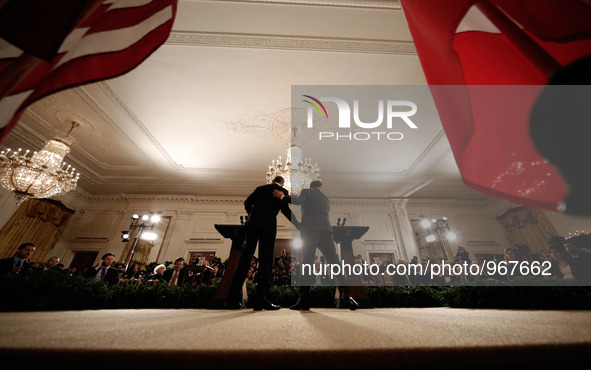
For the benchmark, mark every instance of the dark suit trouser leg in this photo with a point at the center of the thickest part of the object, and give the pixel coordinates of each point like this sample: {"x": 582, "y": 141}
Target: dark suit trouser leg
{"x": 250, "y": 244}
{"x": 327, "y": 246}
{"x": 265, "y": 271}
{"x": 309, "y": 243}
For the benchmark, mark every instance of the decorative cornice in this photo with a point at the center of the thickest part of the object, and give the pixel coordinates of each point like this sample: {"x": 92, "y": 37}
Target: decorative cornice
{"x": 291, "y": 43}
{"x": 232, "y": 200}
{"x": 360, "y": 202}
{"x": 365, "y": 4}
{"x": 168, "y": 198}
{"x": 204, "y": 240}
{"x": 447, "y": 203}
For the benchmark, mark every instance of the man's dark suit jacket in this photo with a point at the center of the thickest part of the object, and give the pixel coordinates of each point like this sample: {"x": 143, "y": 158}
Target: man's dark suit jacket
{"x": 112, "y": 276}
{"x": 315, "y": 210}
{"x": 262, "y": 207}
{"x": 7, "y": 266}
{"x": 167, "y": 275}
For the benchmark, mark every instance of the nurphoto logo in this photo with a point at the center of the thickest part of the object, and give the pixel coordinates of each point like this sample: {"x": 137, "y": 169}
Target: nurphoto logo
{"x": 394, "y": 112}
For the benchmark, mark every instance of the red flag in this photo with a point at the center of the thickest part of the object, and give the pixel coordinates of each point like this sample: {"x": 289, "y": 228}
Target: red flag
{"x": 110, "y": 41}
{"x": 520, "y": 47}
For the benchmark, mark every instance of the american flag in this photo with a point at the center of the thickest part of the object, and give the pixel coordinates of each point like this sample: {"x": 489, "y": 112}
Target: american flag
{"x": 500, "y": 56}
{"x": 68, "y": 43}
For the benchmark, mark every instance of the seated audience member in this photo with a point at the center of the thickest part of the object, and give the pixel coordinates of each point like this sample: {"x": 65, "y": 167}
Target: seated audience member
{"x": 19, "y": 263}
{"x": 484, "y": 273}
{"x": 401, "y": 279}
{"x": 557, "y": 240}
{"x": 583, "y": 241}
{"x": 133, "y": 272}
{"x": 545, "y": 256}
{"x": 523, "y": 250}
{"x": 580, "y": 261}
{"x": 512, "y": 254}
{"x": 463, "y": 255}
{"x": 157, "y": 273}
{"x": 121, "y": 267}
{"x": 105, "y": 271}
{"x": 213, "y": 274}
{"x": 250, "y": 275}
{"x": 561, "y": 266}
{"x": 515, "y": 254}
{"x": 216, "y": 261}
{"x": 52, "y": 264}
{"x": 174, "y": 276}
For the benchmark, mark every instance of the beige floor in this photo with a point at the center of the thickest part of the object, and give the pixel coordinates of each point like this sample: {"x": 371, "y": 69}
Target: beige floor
{"x": 381, "y": 338}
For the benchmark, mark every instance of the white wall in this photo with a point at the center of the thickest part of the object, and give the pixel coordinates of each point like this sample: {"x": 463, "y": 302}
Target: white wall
{"x": 99, "y": 220}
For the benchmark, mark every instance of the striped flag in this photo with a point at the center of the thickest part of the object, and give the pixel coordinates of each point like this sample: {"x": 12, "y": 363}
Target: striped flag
{"x": 89, "y": 43}
{"x": 487, "y": 63}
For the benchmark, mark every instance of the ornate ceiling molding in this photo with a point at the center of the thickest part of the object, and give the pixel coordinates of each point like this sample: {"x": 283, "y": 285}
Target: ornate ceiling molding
{"x": 359, "y": 202}
{"x": 291, "y": 43}
{"x": 365, "y": 4}
{"x": 386, "y": 204}
{"x": 104, "y": 85}
{"x": 260, "y": 126}
{"x": 449, "y": 203}
{"x": 278, "y": 126}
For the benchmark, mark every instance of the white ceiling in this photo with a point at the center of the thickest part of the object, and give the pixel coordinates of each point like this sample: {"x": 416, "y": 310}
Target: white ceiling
{"x": 208, "y": 111}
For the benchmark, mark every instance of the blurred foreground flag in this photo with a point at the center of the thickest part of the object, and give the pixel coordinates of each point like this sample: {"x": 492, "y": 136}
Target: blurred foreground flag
{"x": 502, "y": 73}
{"x": 48, "y": 46}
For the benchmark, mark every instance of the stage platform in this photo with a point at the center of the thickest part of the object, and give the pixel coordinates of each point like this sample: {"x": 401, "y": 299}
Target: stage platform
{"x": 406, "y": 338}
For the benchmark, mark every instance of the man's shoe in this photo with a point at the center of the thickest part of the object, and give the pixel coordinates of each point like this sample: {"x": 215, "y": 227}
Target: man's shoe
{"x": 234, "y": 306}
{"x": 353, "y": 305}
{"x": 301, "y": 305}
{"x": 265, "y": 305}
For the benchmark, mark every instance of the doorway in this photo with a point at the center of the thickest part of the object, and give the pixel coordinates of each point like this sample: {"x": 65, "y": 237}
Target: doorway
{"x": 83, "y": 260}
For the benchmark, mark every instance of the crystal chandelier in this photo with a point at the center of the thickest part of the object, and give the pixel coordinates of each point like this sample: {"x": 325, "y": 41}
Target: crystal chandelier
{"x": 297, "y": 172}
{"x": 41, "y": 175}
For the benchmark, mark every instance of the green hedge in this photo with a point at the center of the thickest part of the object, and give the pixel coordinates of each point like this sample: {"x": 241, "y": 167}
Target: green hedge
{"x": 56, "y": 291}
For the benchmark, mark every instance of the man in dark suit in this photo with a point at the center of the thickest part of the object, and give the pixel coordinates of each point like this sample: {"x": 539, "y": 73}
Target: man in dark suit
{"x": 261, "y": 227}
{"x": 316, "y": 232}
{"x": 105, "y": 272}
{"x": 174, "y": 276}
{"x": 19, "y": 263}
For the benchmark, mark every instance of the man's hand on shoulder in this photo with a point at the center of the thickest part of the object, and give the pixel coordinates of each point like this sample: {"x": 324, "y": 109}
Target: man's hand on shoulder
{"x": 279, "y": 194}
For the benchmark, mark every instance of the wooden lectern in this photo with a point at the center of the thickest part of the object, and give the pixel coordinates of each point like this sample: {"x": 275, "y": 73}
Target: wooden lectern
{"x": 237, "y": 234}
{"x": 344, "y": 235}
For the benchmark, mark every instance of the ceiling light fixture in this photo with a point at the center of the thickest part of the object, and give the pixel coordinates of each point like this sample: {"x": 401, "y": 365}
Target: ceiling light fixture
{"x": 41, "y": 175}
{"x": 297, "y": 172}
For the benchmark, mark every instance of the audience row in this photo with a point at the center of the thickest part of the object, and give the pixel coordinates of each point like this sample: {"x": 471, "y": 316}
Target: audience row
{"x": 566, "y": 259}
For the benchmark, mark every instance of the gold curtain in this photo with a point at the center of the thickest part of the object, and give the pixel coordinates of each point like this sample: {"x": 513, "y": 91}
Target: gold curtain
{"x": 141, "y": 254}
{"x": 527, "y": 226}
{"x": 435, "y": 252}
{"x": 37, "y": 221}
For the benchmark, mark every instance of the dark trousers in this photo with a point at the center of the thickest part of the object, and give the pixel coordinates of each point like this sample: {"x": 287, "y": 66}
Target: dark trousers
{"x": 323, "y": 241}
{"x": 266, "y": 242}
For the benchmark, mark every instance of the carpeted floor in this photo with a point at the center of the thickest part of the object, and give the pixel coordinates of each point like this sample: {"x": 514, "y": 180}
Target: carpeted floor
{"x": 421, "y": 338}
